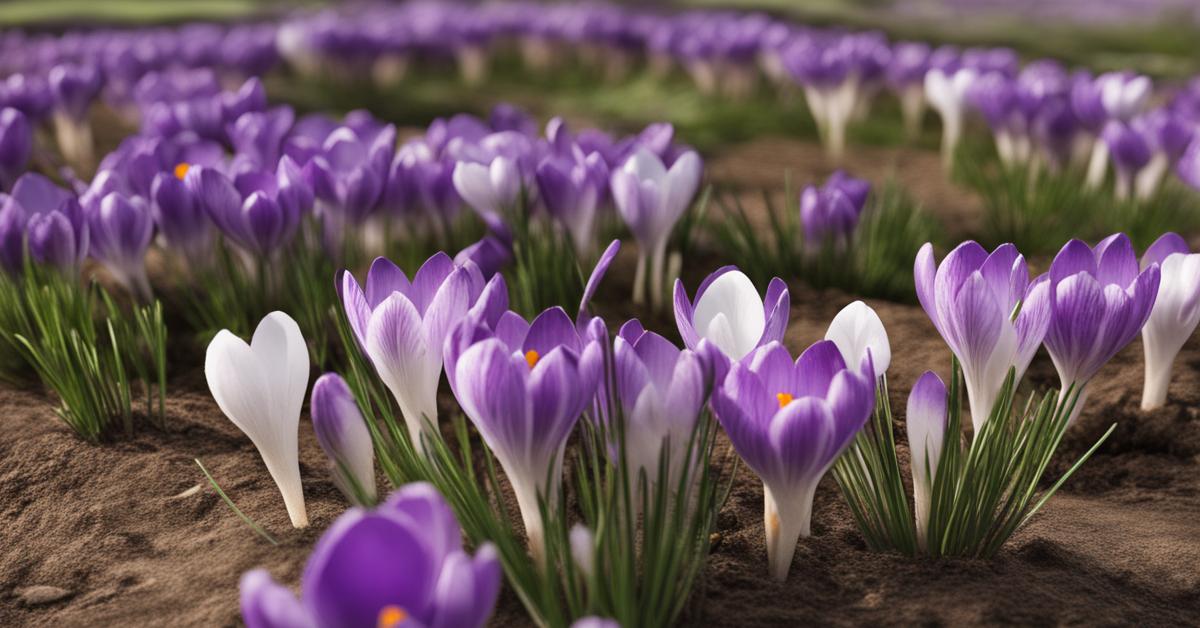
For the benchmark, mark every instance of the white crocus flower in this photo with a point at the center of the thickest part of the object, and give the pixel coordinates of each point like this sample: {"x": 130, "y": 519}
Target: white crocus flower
{"x": 947, "y": 95}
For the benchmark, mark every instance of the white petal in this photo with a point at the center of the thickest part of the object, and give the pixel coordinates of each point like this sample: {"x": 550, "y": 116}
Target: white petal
{"x": 733, "y": 297}
{"x": 856, "y": 329}
{"x": 645, "y": 165}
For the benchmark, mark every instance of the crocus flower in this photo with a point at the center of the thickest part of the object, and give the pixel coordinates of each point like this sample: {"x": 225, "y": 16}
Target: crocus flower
{"x": 401, "y": 564}
{"x": 830, "y": 213}
{"x": 182, "y": 221}
{"x": 342, "y": 433}
{"x": 925, "y": 421}
{"x": 1169, "y": 136}
{"x": 1099, "y": 302}
{"x": 857, "y": 330}
{"x": 729, "y": 313}
{"x": 571, "y": 189}
{"x": 260, "y": 386}
{"x": 402, "y": 325}
{"x": 12, "y": 236}
{"x": 661, "y": 390}
{"x": 651, "y": 199}
{"x": 16, "y": 145}
{"x": 789, "y": 422}
{"x": 1119, "y": 96}
{"x": 258, "y": 212}
{"x": 74, "y": 87}
{"x": 947, "y": 93}
{"x": 524, "y": 387}
{"x": 120, "y": 230}
{"x": 59, "y": 238}
{"x": 491, "y": 188}
{"x": 1175, "y": 314}
{"x": 970, "y": 298}
{"x": 906, "y": 75}
{"x": 1130, "y": 153}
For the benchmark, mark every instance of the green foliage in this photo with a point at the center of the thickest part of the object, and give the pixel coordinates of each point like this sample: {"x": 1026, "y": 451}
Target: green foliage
{"x": 1039, "y": 211}
{"x": 983, "y": 490}
{"x": 545, "y": 271}
{"x": 650, "y": 539}
{"x": 877, "y": 262}
{"x": 252, "y": 524}
{"x": 84, "y": 347}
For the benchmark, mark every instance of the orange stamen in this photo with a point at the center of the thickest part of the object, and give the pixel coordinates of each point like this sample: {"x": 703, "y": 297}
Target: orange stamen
{"x": 181, "y": 169}
{"x": 784, "y": 399}
{"x": 391, "y": 616}
{"x": 532, "y": 357}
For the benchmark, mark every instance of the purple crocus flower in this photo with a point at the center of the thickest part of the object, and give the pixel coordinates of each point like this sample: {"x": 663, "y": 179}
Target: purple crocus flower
{"x": 971, "y": 297}
{"x": 571, "y": 188}
{"x": 491, "y": 254}
{"x": 789, "y": 422}
{"x": 1099, "y": 303}
{"x": 1188, "y": 168}
{"x": 651, "y": 199}
{"x": 401, "y": 325}
{"x": 1175, "y": 314}
{"x": 74, "y": 88}
{"x": 258, "y": 212}
{"x": 16, "y": 145}
{"x": 661, "y": 390}
{"x": 1130, "y": 153}
{"x": 524, "y": 387}
{"x": 120, "y": 230}
{"x": 401, "y": 564}
{"x": 38, "y": 195}
{"x": 728, "y": 313}
{"x": 1168, "y": 135}
{"x": 59, "y": 238}
{"x": 343, "y": 435}
{"x": 830, "y": 214}
{"x": 12, "y": 236}
{"x": 349, "y": 172}
{"x": 182, "y": 221}
{"x": 258, "y": 137}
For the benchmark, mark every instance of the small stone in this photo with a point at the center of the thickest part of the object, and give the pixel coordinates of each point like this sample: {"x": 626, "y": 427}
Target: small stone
{"x": 38, "y": 595}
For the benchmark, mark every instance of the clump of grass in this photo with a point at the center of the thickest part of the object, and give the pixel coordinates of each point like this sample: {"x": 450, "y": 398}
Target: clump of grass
{"x": 82, "y": 345}
{"x": 1038, "y": 210}
{"x": 647, "y": 544}
{"x": 876, "y": 262}
{"x": 984, "y": 489}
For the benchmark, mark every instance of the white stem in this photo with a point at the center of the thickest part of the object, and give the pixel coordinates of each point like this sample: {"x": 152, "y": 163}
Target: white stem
{"x": 912, "y": 108}
{"x": 657, "y": 275}
{"x": 416, "y": 419}
{"x": 1097, "y": 164}
{"x": 921, "y": 495}
{"x": 1148, "y": 180}
{"x": 1123, "y": 185}
{"x": 285, "y": 471}
{"x": 951, "y": 130}
{"x": 1159, "y": 364}
{"x": 785, "y": 523}
{"x": 981, "y": 399}
{"x": 639, "y": 280}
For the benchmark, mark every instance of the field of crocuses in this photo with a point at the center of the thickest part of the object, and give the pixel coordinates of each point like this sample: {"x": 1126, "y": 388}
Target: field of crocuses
{"x": 512, "y": 314}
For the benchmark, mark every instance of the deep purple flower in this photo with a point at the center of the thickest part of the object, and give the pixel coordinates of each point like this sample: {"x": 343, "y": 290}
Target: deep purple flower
{"x": 1130, "y": 153}
{"x": 401, "y": 564}
{"x": 38, "y": 195}
{"x": 259, "y": 212}
{"x": 16, "y": 145}
{"x": 830, "y": 214}
{"x": 12, "y": 236}
{"x": 491, "y": 254}
{"x": 181, "y": 219}
{"x": 524, "y": 387}
{"x": 1099, "y": 303}
{"x": 728, "y": 313}
{"x": 59, "y": 238}
{"x": 75, "y": 87}
{"x": 251, "y": 96}
{"x": 258, "y": 138}
{"x": 789, "y": 422}
{"x": 120, "y": 230}
{"x": 343, "y": 435}
{"x": 970, "y": 298}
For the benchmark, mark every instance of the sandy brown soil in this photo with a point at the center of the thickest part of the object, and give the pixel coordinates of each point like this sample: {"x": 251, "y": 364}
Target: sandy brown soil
{"x": 129, "y": 532}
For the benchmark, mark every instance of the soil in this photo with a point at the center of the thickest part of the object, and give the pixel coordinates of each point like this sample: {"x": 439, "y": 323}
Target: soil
{"x": 130, "y": 533}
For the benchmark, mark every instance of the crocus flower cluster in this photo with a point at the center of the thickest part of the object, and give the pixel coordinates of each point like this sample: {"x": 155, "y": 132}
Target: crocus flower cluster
{"x": 401, "y": 564}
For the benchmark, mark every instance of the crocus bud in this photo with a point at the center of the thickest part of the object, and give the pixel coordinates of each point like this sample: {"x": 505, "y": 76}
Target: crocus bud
{"x": 490, "y": 188}
{"x": 729, "y": 313}
{"x": 181, "y": 220}
{"x": 59, "y": 238}
{"x": 857, "y": 330}
{"x": 926, "y": 424}
{"x": 12, "y": 236}
{"x": 1174, "y": 316}
{"x": 260, "y": 387}
{"x": 120, "y": 230}
{"x": 342, "y": 433}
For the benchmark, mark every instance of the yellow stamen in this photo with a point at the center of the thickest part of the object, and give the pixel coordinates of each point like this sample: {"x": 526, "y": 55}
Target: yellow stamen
{"x": 532, "y": 357}
{"x": 784, "y": 399}
{"x": 391, "y": 616}
{"x": 181, "y": 169}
